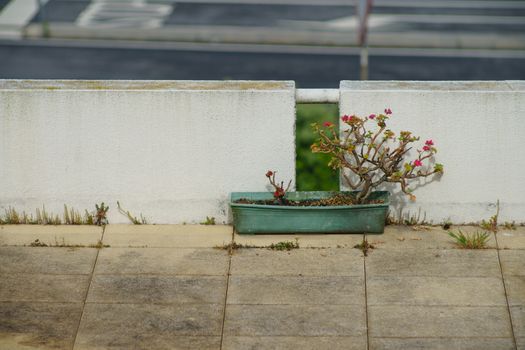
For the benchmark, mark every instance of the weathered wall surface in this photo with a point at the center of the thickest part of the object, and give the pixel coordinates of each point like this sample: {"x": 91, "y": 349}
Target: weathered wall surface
{"x": 174, "y": 150}
{"x": 479, "y": 130}
{"x": 170, "y": 150}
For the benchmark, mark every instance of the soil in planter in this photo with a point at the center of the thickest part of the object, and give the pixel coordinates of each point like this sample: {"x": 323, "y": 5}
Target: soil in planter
{"x": 338, "y": 199}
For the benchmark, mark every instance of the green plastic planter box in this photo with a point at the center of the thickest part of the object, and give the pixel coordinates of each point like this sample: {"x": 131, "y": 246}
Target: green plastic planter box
{"x": 255, "y": 218}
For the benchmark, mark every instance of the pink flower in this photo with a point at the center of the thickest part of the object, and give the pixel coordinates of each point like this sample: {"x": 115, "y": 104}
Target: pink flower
{"x": 426, "y": 148}
{"x": 429, "y": 143}
{"x": 327, "y": 124}
{"x": 417, "y": 162}
{"x": 345, "y": 118}
{"x": 371, "y": 116}
{"x": 269, "y": 173}
{"x": 388, "y": 111}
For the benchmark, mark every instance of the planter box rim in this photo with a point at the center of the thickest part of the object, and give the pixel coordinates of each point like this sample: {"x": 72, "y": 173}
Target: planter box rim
{"x": 237, "y": 195}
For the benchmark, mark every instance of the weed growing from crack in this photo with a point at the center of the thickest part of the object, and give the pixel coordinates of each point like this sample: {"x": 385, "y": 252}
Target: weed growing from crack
{"x": 280, "y": 246}
{"x": 285, "y": 245}
{"x": 101, "y": 214}
{"x": 209, "y": 221}
{"x": 73, "y": 217}
{"x": 446, "y": 224}
{"x": 510, "y": 225}
{"x": 63, "y": 244}
{"x": 407, "y": 219}
{"x": 43, "y": 217}
{"x": 364, "y": 246}
{"x": 134, "y": 220}
{"x": 492, "y": 224}
{"x": 477, "y": 240}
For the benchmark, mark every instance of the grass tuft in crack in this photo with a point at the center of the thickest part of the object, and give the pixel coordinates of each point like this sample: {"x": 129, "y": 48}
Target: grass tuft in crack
{"x": 364, "y": 246}
{"x": 63, "y": 244}
{"x": 210, "y": 220}
{"x": 476, "y": 240}
{"x": 280, "y": 246}
{"x": 285, "y": 245}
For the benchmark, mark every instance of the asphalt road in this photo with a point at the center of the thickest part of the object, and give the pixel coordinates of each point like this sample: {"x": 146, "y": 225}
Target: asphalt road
{"x": 508, "y": 18}
{"x": 320, "y": 68}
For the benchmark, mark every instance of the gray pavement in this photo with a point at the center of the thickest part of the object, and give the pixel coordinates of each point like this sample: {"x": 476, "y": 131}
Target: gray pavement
{"x": 401, "y": 23}
{"x": 169, "y": 287}
{"x": 309, "y": 67}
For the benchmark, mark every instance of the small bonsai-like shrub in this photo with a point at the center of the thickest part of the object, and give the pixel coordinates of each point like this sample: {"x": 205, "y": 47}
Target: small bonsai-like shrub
{"x": 477, "y": 240}
{"x": 368, "y": 158}
{"x": 279, "y": 192}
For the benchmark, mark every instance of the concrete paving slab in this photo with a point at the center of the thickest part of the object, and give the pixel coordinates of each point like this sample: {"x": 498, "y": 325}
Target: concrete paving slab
{"x": 305, "y": 262}
{"x": 515, "y": 289}
{"x": 309, "y": 290}
{"x": 420, "y": 237}
{"x": 304, "y": 240}
{"x": 38, "y": 325}
{"x": 441, "y": 343}
{"x": 43, "y": 288}
{"x": 295, "y": 320}
{"x": 512, "y": 239}
{"x": 512, "y": 262}
{"x": 433, "y": 291}
{"x": 518, "y": 320}
{"x": 432, "y": 262}
{"x": 169, "y": 261}
{"x": 47, "y": 260}
{"x": 141, "y": 326}
{"x": 24, "y": 235}
{"x": 157, "y": 289}
{"x": 148, "y": 341}
{"x": 168, "y": 236}
{"x": 438, "y": 321}
{"x": 289, "y": 343}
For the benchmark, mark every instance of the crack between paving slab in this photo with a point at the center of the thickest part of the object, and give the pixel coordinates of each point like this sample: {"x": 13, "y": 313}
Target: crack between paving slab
{"x": 505, "y": 291}
{"x": 227, "y": 286}
{"x": 366, "y": 302}
{"x": 88, "y": 288}
{"x": 442, "y": 337}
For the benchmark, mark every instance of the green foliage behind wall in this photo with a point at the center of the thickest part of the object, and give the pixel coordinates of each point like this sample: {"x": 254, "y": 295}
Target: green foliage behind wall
{"x": 312, "y": 171}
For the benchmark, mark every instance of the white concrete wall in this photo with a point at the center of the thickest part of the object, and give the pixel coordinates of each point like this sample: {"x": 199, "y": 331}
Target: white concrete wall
{"x": 171, "y": 150}
{"x": 174, "y": 150}
{"x": 479, "y": 130}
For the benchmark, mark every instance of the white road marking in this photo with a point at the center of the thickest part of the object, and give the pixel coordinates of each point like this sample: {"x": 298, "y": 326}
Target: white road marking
{"x": 110, "y": 14}
{"x": 16, "y": 15}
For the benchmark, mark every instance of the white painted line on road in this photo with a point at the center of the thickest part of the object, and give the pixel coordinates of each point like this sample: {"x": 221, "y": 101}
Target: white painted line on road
{"x": 275, "y": 49}
{"x": 15, "y": 16}
{"x": 487, "y": 4}
{"x": 111, "y": 15}
{"x": 448, "y": 19}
